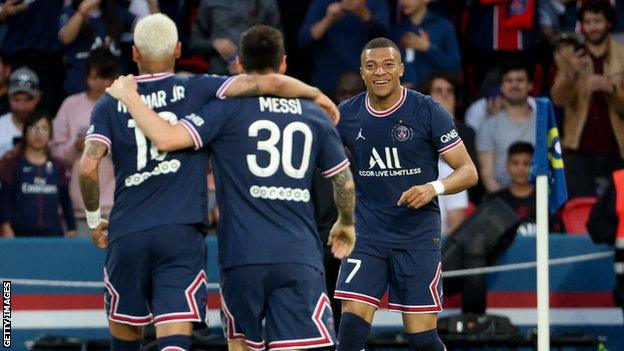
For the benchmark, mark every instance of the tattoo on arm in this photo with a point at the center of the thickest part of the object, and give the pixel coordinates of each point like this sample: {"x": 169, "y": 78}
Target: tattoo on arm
{"x": 344, "y": 195}
{"x": 248, "y": 86}
{"x": 89, "y": 183}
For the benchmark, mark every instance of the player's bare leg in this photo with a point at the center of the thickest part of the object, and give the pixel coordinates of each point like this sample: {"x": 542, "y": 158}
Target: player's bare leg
{"x": 125, "y": 337}
{"x": 355, "y": 324}
{"x": 175, "y": 334}
{"x": 237, "y": 345}
{"x": 421, "y": 331}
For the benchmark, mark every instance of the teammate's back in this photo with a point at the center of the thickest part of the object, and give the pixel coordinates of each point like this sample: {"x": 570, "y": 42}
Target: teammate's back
{"x": 265, "y": 150}
{"x": 152, "y": 187}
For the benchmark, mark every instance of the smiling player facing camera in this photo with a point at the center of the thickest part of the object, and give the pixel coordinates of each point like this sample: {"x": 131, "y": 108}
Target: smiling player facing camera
{"x": 396, "y": 136}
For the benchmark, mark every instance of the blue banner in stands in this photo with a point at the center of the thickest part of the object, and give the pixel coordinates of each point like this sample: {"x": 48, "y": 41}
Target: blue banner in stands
{"x": 548, "y": 158}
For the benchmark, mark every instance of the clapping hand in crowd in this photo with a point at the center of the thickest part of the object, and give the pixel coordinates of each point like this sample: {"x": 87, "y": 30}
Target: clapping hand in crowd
{"x": 419, "y": 42}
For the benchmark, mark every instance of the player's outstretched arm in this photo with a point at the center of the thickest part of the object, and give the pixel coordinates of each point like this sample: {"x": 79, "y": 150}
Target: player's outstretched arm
{"x": 164, "y": 135}
{"x": 342, "y": 234}
{"x": 463, "y": 177}
{"x": 247, "y": 85}
{"x": 90, "y": 189}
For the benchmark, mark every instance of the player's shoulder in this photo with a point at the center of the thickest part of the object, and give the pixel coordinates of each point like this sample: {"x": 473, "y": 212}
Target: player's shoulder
{"x": 314, "y": 112}
{"x": 424, "y": 106}
{"x": 351, "y": 108}
{"x": 105, "y": 102}
{"x": 353, "y": 104}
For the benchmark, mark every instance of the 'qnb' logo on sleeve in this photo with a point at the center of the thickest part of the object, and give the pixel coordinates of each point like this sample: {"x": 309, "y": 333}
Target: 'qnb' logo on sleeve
{"x": 445, "y": 138}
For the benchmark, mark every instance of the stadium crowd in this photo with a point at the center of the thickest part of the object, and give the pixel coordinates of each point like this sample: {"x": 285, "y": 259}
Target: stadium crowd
{"x": 484, "y": 61}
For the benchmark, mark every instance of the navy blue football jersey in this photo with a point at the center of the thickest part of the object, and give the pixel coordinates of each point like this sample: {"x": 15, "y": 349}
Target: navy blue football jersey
{"x": 394, "y": 150}
{"x": 155, "y": 188}
{"x": 265, "y": 150}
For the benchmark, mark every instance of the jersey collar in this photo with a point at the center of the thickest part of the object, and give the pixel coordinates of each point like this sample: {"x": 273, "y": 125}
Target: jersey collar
{"x": 153, "y": 77}
{"x": 389, "y": 111}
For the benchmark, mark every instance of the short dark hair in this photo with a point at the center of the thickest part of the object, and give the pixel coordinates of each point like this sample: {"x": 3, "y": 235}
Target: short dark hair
{"x": 380, "y": 43}
{"x": 599, "y": 6}
{"x": 261, "y": 48}
{"x": 516, "y": 66}
{"x": 103, "y": 62}
{"x": 520, "y": 147}
{"x": 447, "y": 76}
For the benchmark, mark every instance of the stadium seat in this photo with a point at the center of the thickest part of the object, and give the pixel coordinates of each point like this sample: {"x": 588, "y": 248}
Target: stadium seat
{"x": 575, "y": 214}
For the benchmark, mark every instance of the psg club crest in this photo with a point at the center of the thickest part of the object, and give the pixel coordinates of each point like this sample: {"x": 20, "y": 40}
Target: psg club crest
{"x": 518, "y": 7}
{"x": 402, "y": 133}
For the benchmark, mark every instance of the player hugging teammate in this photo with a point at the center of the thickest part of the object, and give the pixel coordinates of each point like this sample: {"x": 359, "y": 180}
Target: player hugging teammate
{"x": 264, "y": 150}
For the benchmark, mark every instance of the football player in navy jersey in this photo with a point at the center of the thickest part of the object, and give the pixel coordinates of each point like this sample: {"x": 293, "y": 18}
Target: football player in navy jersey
{"x": 396, "y": 136}
{"x": 264, "y": 151}
{"x": 154, "y": 269}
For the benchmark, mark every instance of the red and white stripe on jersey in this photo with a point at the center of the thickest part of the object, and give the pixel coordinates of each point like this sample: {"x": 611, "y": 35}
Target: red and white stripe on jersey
{"x": 221, "y": 91}
{"x": 193, "y": 133}
{"x": 114, "y": 303}
{"x": 153, "y": 77}
{"x": 434, "y": 308}
{"x": 348, "y": 295}
{"x": 450, "y": 146}
{"x": 389, "y": 111}
{"x": 192, "y": 315}
{"x": 99, "y": 137}
{"x": 323, "y": 340}
{"x": 229, "y": 328}
{"x": 336, "y": 169}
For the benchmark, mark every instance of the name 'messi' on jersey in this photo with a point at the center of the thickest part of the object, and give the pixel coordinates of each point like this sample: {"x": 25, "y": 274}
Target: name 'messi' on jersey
{"x": 387, "y": 164}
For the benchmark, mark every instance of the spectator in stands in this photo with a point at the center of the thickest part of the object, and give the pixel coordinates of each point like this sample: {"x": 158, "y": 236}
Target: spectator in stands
{"x": 349, "y": 84}
{"x": 443, "y": 88}
{"x": 337, "y": 30}
{"x": 24, "y": 95}
{"x": 554, "y": 17}
{"x": 70, "y": 128}
{"x": 589, "y": 86}
{"x": 428, "y": 43}
{"x": 31, "y": 41}
{"x": 514, "y": 122}
{"x": 519, "y": 195}
{"x": 86, "y": 25}
{"x": 35, "y": 185}
{"x": 500, "y": 31}
{"x": 5, "y": 72}
{"x": 220, "y": 24}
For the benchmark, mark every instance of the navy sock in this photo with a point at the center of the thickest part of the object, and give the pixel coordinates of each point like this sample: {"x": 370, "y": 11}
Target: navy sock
{"x": 425, "y": 341}
{"x": 174, "y": 343}
{"x": 125, "y": 345}
{"x": 352, "y": 333}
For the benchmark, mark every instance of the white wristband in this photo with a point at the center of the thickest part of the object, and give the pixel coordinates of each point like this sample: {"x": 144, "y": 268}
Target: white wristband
{"x": 438, "y": 187}
{"x": 93, "y": 218}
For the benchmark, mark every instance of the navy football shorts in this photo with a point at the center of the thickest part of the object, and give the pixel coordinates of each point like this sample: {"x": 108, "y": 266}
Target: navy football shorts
{"x": 157, "y": 275}
{"x": 412, "y": 276}
{"x": 290, "y": 297}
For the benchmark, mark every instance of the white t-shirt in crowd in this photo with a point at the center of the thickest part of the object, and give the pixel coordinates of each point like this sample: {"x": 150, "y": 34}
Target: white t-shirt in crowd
{"x": 449, "y": 202}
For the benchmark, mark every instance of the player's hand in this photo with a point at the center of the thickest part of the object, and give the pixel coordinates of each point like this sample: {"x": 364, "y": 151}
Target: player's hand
{"x": 417, "y": 196}
{"x": 99, "y": 234}
{"x": 341, "y": 239}
{"x": 122, "y": 86}
{"x": 328, "y": 105}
